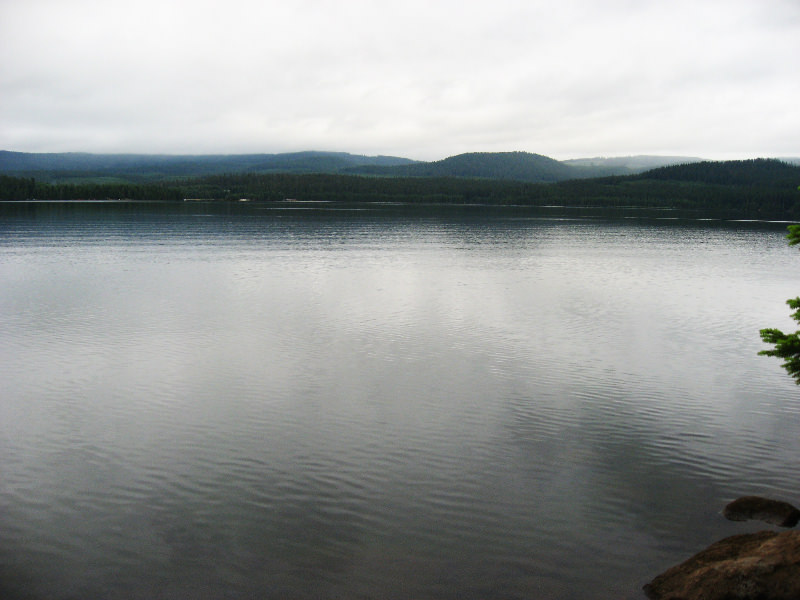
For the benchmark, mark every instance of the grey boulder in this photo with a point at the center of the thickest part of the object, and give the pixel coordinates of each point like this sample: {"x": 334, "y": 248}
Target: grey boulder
{"x": 756, "y": 508}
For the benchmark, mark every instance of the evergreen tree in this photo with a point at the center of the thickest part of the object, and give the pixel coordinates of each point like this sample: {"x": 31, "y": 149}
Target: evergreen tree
{"x": 787, "y": 345}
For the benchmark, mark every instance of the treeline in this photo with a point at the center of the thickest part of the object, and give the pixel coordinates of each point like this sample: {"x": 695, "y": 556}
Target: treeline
{"x": 25, "y": 188}
{"x": 359, "y": 188}
{"x": 758, "y": 189}
{"x": 750, "y": 201}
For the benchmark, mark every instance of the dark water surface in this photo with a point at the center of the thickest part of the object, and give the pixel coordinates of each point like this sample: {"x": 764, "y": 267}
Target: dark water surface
{"x": 387, "y": 403}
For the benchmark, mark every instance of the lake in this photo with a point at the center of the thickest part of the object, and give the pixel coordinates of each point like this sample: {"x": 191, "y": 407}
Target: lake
{"x": 299, "y": 401}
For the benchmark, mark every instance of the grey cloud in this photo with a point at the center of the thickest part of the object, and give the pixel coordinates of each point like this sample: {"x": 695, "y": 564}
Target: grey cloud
{"x": 420, "y": 79}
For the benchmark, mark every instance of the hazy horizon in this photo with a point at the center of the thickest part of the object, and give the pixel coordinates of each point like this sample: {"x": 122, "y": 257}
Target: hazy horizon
{"x": 317, "y": 151}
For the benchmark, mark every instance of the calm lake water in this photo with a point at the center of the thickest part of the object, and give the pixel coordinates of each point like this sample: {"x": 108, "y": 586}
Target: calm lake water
{"x": 304, "y": 402}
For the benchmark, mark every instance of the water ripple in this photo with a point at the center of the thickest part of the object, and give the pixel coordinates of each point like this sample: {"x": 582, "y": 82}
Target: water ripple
{"x": 284, "y": 406}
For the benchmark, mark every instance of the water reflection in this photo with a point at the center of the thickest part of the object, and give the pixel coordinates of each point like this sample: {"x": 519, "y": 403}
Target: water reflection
{"x": 302, "y": 404}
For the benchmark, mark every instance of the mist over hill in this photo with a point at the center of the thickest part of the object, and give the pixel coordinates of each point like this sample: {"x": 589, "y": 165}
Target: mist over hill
{"x": 628, "y": 165}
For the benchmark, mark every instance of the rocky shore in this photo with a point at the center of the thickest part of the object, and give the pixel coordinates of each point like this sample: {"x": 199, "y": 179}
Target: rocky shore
{"x": 756, "y": 566}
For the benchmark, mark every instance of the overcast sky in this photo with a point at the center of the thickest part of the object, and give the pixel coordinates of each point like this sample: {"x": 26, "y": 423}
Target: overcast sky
{"x": 424, "y": 79}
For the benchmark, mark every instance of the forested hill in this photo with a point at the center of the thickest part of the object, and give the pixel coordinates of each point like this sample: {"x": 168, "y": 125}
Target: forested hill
{"x": 758, "y": 188}
{"x": 516, "y": 166}
{"x": 756, "y": 172}
{"x": 80, "y": 168}
{"x": 69, "y": 166}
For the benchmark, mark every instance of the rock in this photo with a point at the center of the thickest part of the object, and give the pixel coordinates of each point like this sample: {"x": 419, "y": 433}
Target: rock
{"x": 754, "y": 566}
{"x": 762, "y": 509}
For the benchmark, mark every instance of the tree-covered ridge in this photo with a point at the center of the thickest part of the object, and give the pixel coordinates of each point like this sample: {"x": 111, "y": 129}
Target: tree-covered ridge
{"x": 518, "y": 166}
{"x": 758, "y": 188}
{"x": 755, "y": 172}
{"x": 142, "y": 168}
{"x": 145, "y": 168}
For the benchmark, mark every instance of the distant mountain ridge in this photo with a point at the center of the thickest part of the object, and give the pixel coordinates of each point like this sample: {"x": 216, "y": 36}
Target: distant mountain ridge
{"x": 504, "y": 166}
{"x": 517, "y": 166}
{"x": 160, "y": 166}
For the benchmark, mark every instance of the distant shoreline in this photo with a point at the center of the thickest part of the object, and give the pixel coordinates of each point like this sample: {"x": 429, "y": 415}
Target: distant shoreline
{"x": 758, "y": 189}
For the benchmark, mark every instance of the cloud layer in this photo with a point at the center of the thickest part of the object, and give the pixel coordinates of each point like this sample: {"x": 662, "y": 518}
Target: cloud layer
{"x": 424, "y": 79}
